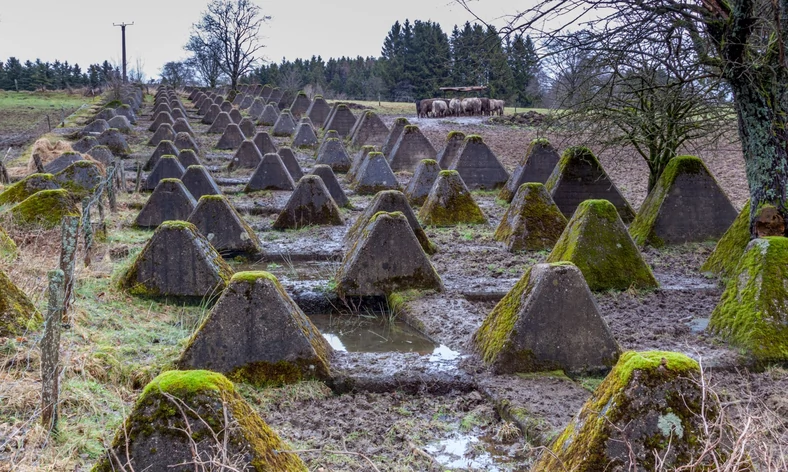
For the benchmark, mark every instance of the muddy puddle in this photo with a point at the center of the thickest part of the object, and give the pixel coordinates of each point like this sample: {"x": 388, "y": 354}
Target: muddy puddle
{"x": 284, "y": 268}
{"x": 471, "y": 452}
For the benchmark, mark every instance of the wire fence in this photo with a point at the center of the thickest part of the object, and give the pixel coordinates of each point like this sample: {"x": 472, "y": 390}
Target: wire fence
{"x": 44, "y": 125}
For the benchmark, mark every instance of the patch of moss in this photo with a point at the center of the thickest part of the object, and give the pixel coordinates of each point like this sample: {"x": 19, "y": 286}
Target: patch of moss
{"x": 253, "y": 276}
{"x": 409, "y": 129}
{"x": 450, "y": 203}
{"x": 597, "y": 242}
{"x": 725, "y": 257}
{"x": 27, "y": 187}
{"x": 474, "y": 138}
{"x": 8, "y": 249}
{"x": 752, "y": 314}
{"x": 18, "y": 315}
{"x": 533, "y": 222}
{"x": 113, "y": 104}
{"x": 45, "y": 209}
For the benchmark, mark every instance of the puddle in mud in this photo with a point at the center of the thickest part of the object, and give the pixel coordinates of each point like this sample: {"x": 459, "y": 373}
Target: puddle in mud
{"x": 293, "y": 270}
{"x": 465, "y": 451}
{"x": 699, "y": 325}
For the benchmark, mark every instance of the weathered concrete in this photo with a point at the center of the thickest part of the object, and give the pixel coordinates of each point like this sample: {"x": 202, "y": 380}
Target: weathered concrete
{"x": 478, "y": 166}
{"x": 421, "y": 183}
{"x": 300, "y": 105}
{"x": 411, "y": 147}
{"x": 221, "y": 122}
{"x": 161, "y": 118}
{"x": 188, "y": 157}
{"x": 236, "y": 116}
{"x": 115, "y": 141}
{"x": 80, "y": 178}
{"x": 450, "y": 203}
{"x": 85, "y": 144}
{"x": 451, "y": 150}
{"x": 371, "y": 130}
{"x": 216, "y": 219}
{"x": 270, "y": 174}
{"x": 62, "y": 161}
{"x": 318, "y": 111}
{"x": 167, "y": 167}
{"x": 537, "y": 165}
{"x": 120, "y": 123}
{"x": 169, "y": 201}
{"x": 184, "y": 141}
{"x": 164, "y": 148}
{"x": 102, "y": 154}
{"x": 375, "y": 175}
{"x": 247, "y": 157}
{"x": 210, "y": 116}
{"x": 285, "y": 124}
{"x": 248, "y": 127}
{"x": 95, "y": 127}
{"x": 164, "y": 133}
{"x": 304, "y": 136}
{"x": 291, "y": 163}
{"x": 269, "y": 116}
{"x": 333, "y": 154}
{"x": 264, "y": 143}
{"x": 182, "y": 126}
{"x": 198, "y": 182}
{"x": 332, "y": 184}
{"x": 309, "y": 204}
{"x": 358, "y": 160}
{"x": 341, "y": 121}
{"x": 231, "y": 138}
{"x": 533, "y": 222}
{"x": 396, "y": 131}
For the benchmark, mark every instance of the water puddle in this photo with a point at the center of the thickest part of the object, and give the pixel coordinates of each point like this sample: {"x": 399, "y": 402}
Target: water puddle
{"x": 468, "y": 452}
{"x": 293, "y": 270}
{"x": 699, "y": 325}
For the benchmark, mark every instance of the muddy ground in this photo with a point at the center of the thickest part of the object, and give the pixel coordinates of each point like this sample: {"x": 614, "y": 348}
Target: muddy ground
{"x": 429, "y": 404}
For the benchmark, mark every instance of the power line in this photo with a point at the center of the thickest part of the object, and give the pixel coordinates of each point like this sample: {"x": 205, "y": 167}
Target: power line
{"x": 123, "y": 35}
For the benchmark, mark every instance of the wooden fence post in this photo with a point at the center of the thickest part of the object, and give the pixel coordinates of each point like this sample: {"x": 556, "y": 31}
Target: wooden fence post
{"x": 87, "y": 228}
{"x": 50, "y": 350}
{"x": 68, "y": 256}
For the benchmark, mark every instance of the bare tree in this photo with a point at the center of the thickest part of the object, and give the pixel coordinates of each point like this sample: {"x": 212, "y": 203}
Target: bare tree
{"x": 205, "y": 61}
{"x": 229, "y": 32}
{"x": 177, "y": 74}
{"x": 137, "y": 73}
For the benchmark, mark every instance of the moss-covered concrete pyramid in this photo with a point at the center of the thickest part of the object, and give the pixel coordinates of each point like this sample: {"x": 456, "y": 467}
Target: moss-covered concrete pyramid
{"x": 537, "y": 165}
{"x": 396, "y": 130}
{"x": 246, "y": 157}
{"x": 370, "y": 131}
{"x": 198, "y": 182}
{"x": 189, "y": 158}
{"x": 26, "y": 187}
{"x": 285, "y": 124}
{"x": 358, "y": 160}
{"x": 80, "y": 178}
{"x": 168, "y": 167}
{"x": 161, "y": 118}
{"x": 451, "y": 150}
{"x": 341, "y": 120}
{"x": 478, "y": 166}
{"x": 271, "y": 174}
{"x": 646, "y": 408}
{"x": 390, "y": 201}
{"x": 164, "y": 133}
{"x": 256, "y": 333}
{"x": 548, "y": 321}
{"x": 332, "y": 184}
{"x": 177, "y": 261}
{"x": 753, "y": 312}
{"x": 729, "y": 249}
{"x": 450, "y": 203}
{"x": 597, "y": 242}
{"x": 578, "y": 177}
{"x": 309, "y": 204}
{"x": 411, "y": 147}
{"x": 45, "y": 209}
{"x": 291, "y": 163}
{"x": 532, "y": 222}
{"x": 18, "y": 315}
{"x": 164, "y": 148}
{"x": 375, "y": 175}
{"x": 216, "y": 219}
{"x": 182, "y": 126}
{"x": 231, "y": 138}
{"x": 225, "y": 431}
{"x": 686, "y": 205}
{"x": 421, "y": 183}
{"x": 332, "y": 153}
{"x": 385, "y": 258}
{"x": 170, "y": 200}
{"x": 221, "y": 123}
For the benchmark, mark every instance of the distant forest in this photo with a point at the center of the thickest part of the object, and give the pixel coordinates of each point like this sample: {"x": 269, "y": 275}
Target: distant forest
{"x": 52, "y": 75}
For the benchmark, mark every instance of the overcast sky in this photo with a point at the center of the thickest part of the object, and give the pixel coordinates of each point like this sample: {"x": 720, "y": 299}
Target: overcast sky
{"x": 81, "y": 31}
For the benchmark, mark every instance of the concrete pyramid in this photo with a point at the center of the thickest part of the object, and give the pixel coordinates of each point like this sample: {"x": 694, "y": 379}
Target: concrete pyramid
{"x": 220, "y": 123}
{"x": 168, "y": 167}
{"x": 150, "y": 443}
{"x": 300, "y": 105}
{"x": 478, "y": 166}
{"x": 210, "y": 116}
{"x": 81, "y": 178}
{"x": 256, "y": 109}
{"x": 331, "y": 134}
{"x": 341, "y": 121}
{"x": 117, "y": 143}
{"x": 411, "y": 147}
{"x": 257, "y": 333}
{"x": 375, "y": 175}
{"x": 537, "y": 165}
{"x": 371, "y": 130}
{"x": 333, "y": 154}
{"x": 270, "y": 174}
{"x": 85, "y": 144}
{"x": 226, "y": 107}
{"x": 358, "y": 121}
{"x": 239, "y": 98}
{"x": 246, "y": 157}
{"x": 358, "y": 159}
{"x": 105, "y": 114}
{"x": 304, "y": 136}
{"x": 161, "y": 107}
{"x": 177, "y": 261}
{"x": 291, "y": 163}
{"x": 164, "y": 133}
{"x": 578, "y": 177}
{"x": 451, "y": 151}
{"x": 231, "y": 138}
{"x": 686, "y": 205}
{"x": 164, "y": 148}
{"x": 597, "y": 242}
{"x": 450, "y": 203}
{"x": 269, "y": 116}
{"x": 170, "y": 200}
{"x": 125, "y": 110}
{"x": 751, "y": 314}
{"x": 276, "y": 95}
{"x": 726, "y": 254}
{"x": 332, "y": 184}
{"x": 216, "y": 219}
{"x": 178, "y": 114}
{"x": 396, "y": 131}
{"x": 247, "y": 102}
{"x": 532, "y": 222}
{"x": 390, "y": 201}
{"x": 236, "y": 116}
{"x": 285, "y": 124}
{"x": 122, "y": 124}
{"x": 205, "y": 105}
{"x": 161, "y": 118}
{"x": 318, "y": 111}
{"x": 185, "y": 141}
{"x": 58, "y": 203}
{"x": 309, "y": 204}
{"x": 198, "y": 182}
{"x": 266, "y": 91}
{"x": 421, "y": 183}
{"x": 247, "y": 127}
{"x": 95, "y": 127}
{"x": 386, "y": 258}
{"x": 264, "y": 143}
{"x": 26, "y": 187}
{"x": 548, "y": 321}
{"x": 188, "y": 157}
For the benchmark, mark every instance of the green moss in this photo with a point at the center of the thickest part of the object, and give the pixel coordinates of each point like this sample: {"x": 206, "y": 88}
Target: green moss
{"x": 401, "y": 121}
{"x": 455, "y": 135}
{"x": 533, "y": 222}
{"x": 752, "y": 314}
{"x": 597, "y": 242}
{"x": 113, "y": 104}
{"x": 451, "y": 204}
{"x": 17, "y": 314}
{"x": 27, "y": 187}
{"x": 253, "y": 276}
{"x": 410, "y": 129}
{"x": 642, "y": 228}
{"x": 8, "y": 249}
{"x": 186, "y": 383}
{"x": 725, "y": 257}
{"x": 474, "y": 138}
{"x": 45, "y": 209}
{"x": 429, "y": 162}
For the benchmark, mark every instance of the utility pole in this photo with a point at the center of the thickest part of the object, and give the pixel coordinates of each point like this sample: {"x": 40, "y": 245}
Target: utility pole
{"x": 123, "y": 34}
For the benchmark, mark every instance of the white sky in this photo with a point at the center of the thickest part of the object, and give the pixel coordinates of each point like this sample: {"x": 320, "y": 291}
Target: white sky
{"x": 81, "y": 31}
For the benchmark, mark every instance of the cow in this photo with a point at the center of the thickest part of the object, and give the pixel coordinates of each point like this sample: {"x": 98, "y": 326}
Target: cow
{"x": 472, "y": 106}
{"x": 425, "y": 107}
{"x": 418, "y": 108}
{"x": 439, "y": 108}
{"x": 485, "y": 106}
{"x": 496, "y": 107}
{"x": 455, "y": 107}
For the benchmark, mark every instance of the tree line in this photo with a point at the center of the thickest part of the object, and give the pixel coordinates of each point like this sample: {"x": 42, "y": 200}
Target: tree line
{"x": 37, "y": 75}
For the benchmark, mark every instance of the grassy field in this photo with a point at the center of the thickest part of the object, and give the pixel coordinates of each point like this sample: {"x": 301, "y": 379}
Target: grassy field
{"x": 21, "y": 110}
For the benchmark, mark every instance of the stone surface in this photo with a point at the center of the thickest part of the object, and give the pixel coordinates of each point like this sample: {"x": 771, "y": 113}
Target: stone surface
{"x": 309, "y": 204}
{"x": 210, "y": 116}
{"x": 62, "y": 161}
{"x": 85, "y": 144}
{"x": 231, "y": 138}
{"x": 80, "y": 178}
{"x": 270, "y": 174}
{"x": 164, "y": 148}
{"x": 478, "y": 166}
{"x": 221, "y": 122}
{"x": 182, "y": 126}
{"x": 125, "y": 110}
{"x": 450, "y": 203}
{"x": 371, "y": 131}
{"x": 304, "y": 136}
{"x": 115, "y": 141}
{"x": 164, "y": 133}
{"x": 548, "y": 321}
{"x": 285, "y": 124}
{"x": 246, "y": 157}
{"x": 332, "y": 153}
{"x": 44, "y": 209}
{"x": 451, "y": 150}
{"x": 686, "y": 205}
{"x": 375, "y": 175}
{"x": 410, "y": 148}
{"x": 533, "y": 222}
{"x": 421, "y": 183}
{"x": 269, "y": 115}
{"x": 393, "y": 136}
{"x": 291, "y": 163}
{"x": 170, "y": 200}
{"x": 537, "y": 165}
{"x": 264, "y": 143}
{"x": 358, "y": 159}
{"x": 256, "y": 109}
{"x": 161, "y": 118}
{"x": 216, "y": 219}
{"x": 597, "y": 242}
{"x": 332, "y": 184}
{"x": 247, "y": 127}
{"x": 341, "y": 120}
{"x": 300, "y": 105}
{"x": 95, "y": 127}
{"x": 236, "y": 116}
{"x": 167, "y": 167}
{"x": 386, "y": 258}
{"x": 18, "y": 315}
{"x": 198, "y": 182}
{"x": 726, "y": 254}
{"x": 318, "y": 111}
{"x": 184, "y": 141}
{"x": 26, "y": 187}
{"x": 120, "y": 123}
{"x": 579, "y": 176}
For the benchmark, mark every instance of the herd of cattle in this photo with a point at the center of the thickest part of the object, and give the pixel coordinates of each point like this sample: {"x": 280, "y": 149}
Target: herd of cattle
{"x": 439, "y": 107}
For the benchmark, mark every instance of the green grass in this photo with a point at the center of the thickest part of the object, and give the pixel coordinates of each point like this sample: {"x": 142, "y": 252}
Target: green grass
{"x": 22, "y": 110}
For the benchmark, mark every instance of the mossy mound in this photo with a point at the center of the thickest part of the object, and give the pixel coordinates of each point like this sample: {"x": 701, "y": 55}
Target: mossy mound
{"x": 537, "y": 165}
{"x": 45, "y": 209}
{"x": 271, "y": 174}
{"x": 18, "y": 315}
{"x": 26, "y": 187}
{"x": 8, "y": 249}
{"x": 686, "y": 205}
{"x": 578, "y": 177}
{"x": 309, "y": 204}
{"x": 177, "y": 261}
{"x": 646, "y": 408}
{"x": 374, "y": 175}
{"x": 421, "y": 183}
{"x": 450, "y": 203}
{"x": 390, "y": 201}
{"x": 533, "y": 222}
{"x": 752, "y": 314}
{"x": 548, "y": 321}
{"x": 225, "y": 430}
{"x": 385, "y": 258}
{"x": 80, "y": 178}
{"x": 257, "y": 334}
{"x": 729, "y": 249}
{"x": 597, "y": 242}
